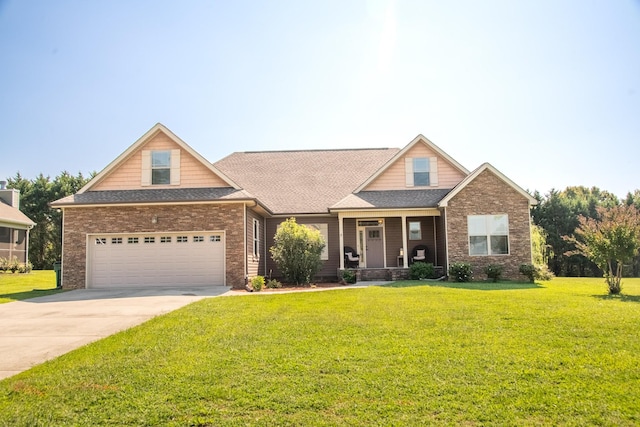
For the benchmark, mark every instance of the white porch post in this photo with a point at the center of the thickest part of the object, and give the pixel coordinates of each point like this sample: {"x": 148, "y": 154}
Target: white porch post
{"x": 405, "y": 258}
{"x": 341, "y": 238}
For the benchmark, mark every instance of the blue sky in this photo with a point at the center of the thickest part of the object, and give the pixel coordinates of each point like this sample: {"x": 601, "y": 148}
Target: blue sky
{"x": 548, "y": 92}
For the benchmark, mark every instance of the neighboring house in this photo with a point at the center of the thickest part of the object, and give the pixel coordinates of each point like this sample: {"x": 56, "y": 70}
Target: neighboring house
{"x": 161, "y": 214}
{"x": 14, "y": 226}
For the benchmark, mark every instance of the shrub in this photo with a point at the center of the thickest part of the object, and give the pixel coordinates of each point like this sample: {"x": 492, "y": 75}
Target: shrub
{"x": 543, "y": 272}
{"x": 25, "y": 268}
{"x": 257, "y": 283}
{"x": 529, "y": 271}
{"x": 297, "y": 251}
{"x": 494, "y": 272}
{"x": 13, "y": 265}
{"x": 421, "y": 270}
{"x": 349, "y": 276}
{"x": 536, "y": 272}
{"x": 4, "y": 264}
{"x": 461, "y": 271}
{"x": 273, "y": 284}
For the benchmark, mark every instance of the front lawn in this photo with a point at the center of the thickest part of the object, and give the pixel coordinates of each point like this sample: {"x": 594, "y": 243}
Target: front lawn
{"x": 557, "y": 353}
{"x": 17, "y": 286}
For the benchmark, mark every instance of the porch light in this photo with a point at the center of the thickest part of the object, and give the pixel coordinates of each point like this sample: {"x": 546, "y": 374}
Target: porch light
{"x": 154, "y": 219}
{"x": 401, "y": 252}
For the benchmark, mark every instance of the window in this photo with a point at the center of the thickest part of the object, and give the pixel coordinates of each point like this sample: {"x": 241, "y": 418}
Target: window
{"x": 415, "y": 232}
{"x": 256, "y": 238}
{"x": 116, "y": 240}
{"x": 165, "y": 239}
{"x": 324, "y": 232}
{"x": 132, "y": 240}
{"x": 214, "y": 238}
{"x": 421, "y": 172}
{"x": 101, "y": 241}
{"x": 160, "y": 167}
{"x": 488, "y": 234}
{"x": 149, "y": 239}
{"x": 198, "y": 239}
{"x": 182, "y": 239}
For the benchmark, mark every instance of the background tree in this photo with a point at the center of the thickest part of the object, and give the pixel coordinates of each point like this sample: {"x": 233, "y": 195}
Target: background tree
{"x": 557, "y": 213}
{"x": 610, "y": 240}
{"x": 45, "y": 239}
{"x": 297, "y": 251}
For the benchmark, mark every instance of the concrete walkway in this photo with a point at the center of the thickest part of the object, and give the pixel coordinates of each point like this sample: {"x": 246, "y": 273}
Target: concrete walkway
{"x": 39, "y": 329}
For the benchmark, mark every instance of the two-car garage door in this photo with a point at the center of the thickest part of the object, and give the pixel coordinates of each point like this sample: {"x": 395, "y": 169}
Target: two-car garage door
{"x": 155, "y": 259}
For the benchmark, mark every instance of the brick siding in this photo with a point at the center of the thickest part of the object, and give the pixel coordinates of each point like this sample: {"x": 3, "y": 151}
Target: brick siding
{"x": 78, "y": 222}
{"x": 489, "y": 195}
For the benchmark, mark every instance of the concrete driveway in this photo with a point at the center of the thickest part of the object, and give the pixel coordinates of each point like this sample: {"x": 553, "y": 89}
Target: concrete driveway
{"x": 39, "y": 329}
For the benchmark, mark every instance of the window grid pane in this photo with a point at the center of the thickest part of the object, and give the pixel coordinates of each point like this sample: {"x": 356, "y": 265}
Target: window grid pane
{"x": 488, "y": 234}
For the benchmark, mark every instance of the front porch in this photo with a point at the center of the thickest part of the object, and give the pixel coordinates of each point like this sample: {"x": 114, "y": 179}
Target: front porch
{"x": 384, "y": 243}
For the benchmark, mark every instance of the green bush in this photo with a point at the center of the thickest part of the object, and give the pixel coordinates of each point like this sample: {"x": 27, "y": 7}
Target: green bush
{"x": 421, "y": 270}
{"x": 273, "y": 284}
{"x": 14, "y": 265}
{"x": 461, "y": 272}
{"x": 529, "y": 271}
{"x": 297, "y": 251}
{"x": 494, "y": 272}
{"x": 349, "y": 276}
{"x": 257, "y": 283}
{"x": 536, "y": 272}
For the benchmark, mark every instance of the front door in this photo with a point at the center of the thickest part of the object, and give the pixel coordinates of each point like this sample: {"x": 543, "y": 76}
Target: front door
{"x": 374, "y": 247}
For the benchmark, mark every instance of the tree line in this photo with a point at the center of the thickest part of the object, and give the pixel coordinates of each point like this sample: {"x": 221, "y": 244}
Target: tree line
{"x": 556, "y": 217}
{"x": 45, "y": 238}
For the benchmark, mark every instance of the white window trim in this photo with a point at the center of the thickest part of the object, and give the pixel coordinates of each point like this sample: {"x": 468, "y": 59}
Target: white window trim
{"x": 256, "y": 238}
{"x": 488, "y": 236}
{"x": 419, "y": 230}
{"x": 174, "y": 177}
{"x": 323, "y": 228}
{"x": 433, "y": 172}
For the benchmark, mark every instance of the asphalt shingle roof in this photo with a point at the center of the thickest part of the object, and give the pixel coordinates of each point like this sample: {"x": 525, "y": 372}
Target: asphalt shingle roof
{"x": 308, "y": 181}
{"x": 154, "y": 195}
{"x": 392, "y": 199}
{"x": 9, "y": 214}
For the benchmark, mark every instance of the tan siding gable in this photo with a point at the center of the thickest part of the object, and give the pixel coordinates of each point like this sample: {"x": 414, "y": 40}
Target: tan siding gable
{"x": 128, "y": 174}
{"x": 394, "y": 178}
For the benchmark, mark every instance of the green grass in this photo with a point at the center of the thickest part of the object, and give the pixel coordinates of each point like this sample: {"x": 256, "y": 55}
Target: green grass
{"x": 15, "y": 286}
{"x": 557, "y": 353}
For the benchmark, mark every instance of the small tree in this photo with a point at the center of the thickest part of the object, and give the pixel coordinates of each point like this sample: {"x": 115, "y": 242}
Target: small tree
{"x": 610, "y": 240}
{"x": 297, "y": 250}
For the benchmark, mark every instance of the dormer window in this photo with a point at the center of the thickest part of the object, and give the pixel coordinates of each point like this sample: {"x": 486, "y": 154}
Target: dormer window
{"x": 160, "y": 167}
{"x": 421, "y": 171}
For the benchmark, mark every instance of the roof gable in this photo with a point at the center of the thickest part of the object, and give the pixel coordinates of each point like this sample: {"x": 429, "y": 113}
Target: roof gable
{"x": 398, "y": 162}
{"x": 473, "y": 175}
{"x": 129, "y": 164}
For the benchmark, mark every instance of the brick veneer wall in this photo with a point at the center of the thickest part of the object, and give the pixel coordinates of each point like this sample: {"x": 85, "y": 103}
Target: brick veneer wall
{"x": 80, "y": 221}
{"x": 489, "y": 195}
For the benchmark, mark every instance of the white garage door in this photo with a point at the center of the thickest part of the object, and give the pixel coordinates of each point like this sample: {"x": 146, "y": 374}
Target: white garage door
{"x": 166, "y": 259}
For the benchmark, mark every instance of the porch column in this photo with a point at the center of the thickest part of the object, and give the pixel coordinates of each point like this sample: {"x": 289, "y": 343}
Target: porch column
{"x": 341, "y": 238}
{"x": 405, "y": 258}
